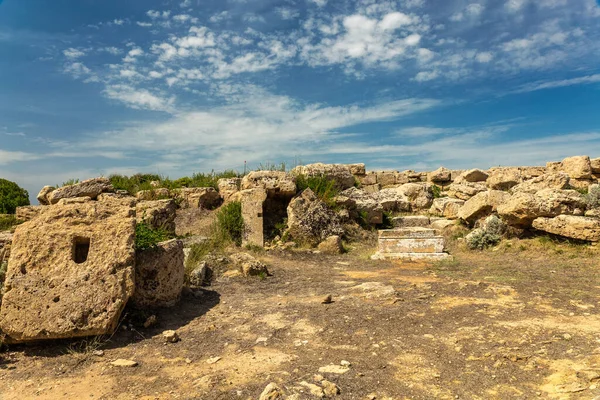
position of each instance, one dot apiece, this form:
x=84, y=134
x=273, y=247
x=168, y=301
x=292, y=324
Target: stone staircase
x=412, y=239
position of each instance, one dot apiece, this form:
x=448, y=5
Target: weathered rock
x=228, y=187
x=442, y=224
x=446, y=207
x=501, y=178
x=71, y=272
x=201, y=197
x=595, y=165
x=411, y=221
x=386, y=178
x=310, y=220
x=368, y=179
x=154, y=194
x=159, y=275
x=440, y=175
x=581, y=183
x=578, y=167
x=393, y=199
x=42, y=196
x=27, y=213
x=472, y=175
x=124, y=363
x=252, y=212
x=199, y=274
x=276, y=183
x=420, y=195
x=331, y=245
x=158, y=214
x=481, y=205
x=329, y=388
x=170, y=336
x=371, y=188
x=522, y=208
x=339, y=173
x=558, y=180
x=248, y=265
x=570, y=226
x=466, y=190
x=90, y=188
x=271, y=392
x=361, y=204
x=313, y=389
x=357, y=169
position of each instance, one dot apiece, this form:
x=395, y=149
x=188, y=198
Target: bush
x=437, y=191
x=230, y=224
x=8, y=221
x=592, y=197
x=147, y=237
x=134, y=183
x=11, y=197
x=324, y=188
x=488, y=235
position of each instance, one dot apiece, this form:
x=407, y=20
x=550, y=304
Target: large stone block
x=578, y=167
x=26, y=213
x=276, y=183
x=252, y=212
x=158, y=214
x=228, y=187
x=90, y=188
x=159, y=275
x=42, y=196
x=446, y=207
x=310, y=221
x=339, y=173
x=70, y=272
x=201, y=197
x=410, y=243
x=570, y=226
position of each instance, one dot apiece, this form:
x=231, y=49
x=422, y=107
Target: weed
x=437, y=191
x=147, y=237
x=262, y=275
x=254, y=248
x=70, y=182
x=230, y=224
x=323, y=187
x=272, y=167
x=8, y=221
x=387, y=221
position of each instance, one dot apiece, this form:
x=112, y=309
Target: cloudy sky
x=90, y=87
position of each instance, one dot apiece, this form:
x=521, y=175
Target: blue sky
x=91, y=87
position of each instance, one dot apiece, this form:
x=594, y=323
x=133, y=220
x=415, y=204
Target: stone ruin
x=73, y=265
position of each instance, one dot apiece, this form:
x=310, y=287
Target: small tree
x=11, y=197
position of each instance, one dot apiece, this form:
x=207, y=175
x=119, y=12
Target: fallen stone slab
x=70, y=272
x=570, y=226
x=91, y=188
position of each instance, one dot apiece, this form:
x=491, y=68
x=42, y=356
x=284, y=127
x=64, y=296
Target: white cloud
x=287, y=13
x=582, y=80
x=133, y=53
x=157, y=14
x=253, y=18
x=219, y=17
x=138, y=98
x=186, y=4
x=144, y=24
x=111, y=50
x=425, y=76
x=118, y=22
x=8, y=157
x=319, y=3
x=484, y=57
x=422, y=131
x=73, y=53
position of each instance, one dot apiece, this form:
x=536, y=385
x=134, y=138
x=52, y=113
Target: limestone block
x=201, y=197
x=570, y=226
x=276, y=183
x=90, y=188
x=252, y=212
x=159, y=275
x=158, y=214
x=70, y=272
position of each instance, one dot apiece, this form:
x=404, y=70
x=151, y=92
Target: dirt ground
x=520, y=321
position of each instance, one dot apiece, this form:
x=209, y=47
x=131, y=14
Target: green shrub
x=11, y=197
x=324, y=188
x=437, y=191
x=230, y=224
x=8, y=221
x=147, y=237
x=387, y=223
x=592, y=197
x=70, y=182
x=134, y=183
x=480, y=239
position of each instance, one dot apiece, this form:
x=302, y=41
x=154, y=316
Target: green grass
x=8, y=221
x=147, y=238
x=138, y=182
x=324, y=188
x=230, y=224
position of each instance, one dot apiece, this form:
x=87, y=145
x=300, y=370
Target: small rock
x=213, y=360
x=345, y=363
x=124, y=363
x=98, y=353
x=313, y=389
x=371, y=396
x=566, y=336
x=334, y=369
x=150, y=321
x=327, y=299
x=329, y=388
x=170, y=336
x=271, y=392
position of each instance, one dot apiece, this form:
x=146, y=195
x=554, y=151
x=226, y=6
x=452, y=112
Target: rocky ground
x=519, y=321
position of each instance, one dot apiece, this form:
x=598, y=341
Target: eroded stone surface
x=570, y=226
x=90, y=188
x=53, y=288
x=158, y=214
x=252, y=212
x=159, y=275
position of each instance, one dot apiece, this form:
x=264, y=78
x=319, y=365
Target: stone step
x=411, y=221
x=411, y=256
x=401, y=233
x=433, y=244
